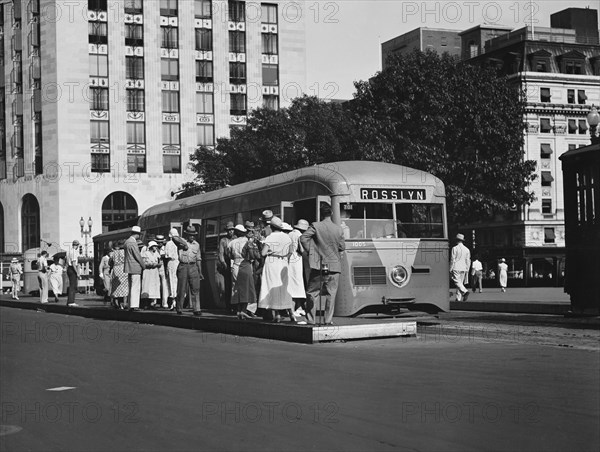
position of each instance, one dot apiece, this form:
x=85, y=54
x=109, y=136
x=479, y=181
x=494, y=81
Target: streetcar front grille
x=369, y=276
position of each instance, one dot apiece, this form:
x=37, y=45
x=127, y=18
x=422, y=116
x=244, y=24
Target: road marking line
x=61, y=388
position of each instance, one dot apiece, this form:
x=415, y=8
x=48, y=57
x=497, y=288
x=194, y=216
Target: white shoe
x=16, y=298
x=72, y=304
x=301, y=322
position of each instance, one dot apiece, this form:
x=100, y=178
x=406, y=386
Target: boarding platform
x=371, y=326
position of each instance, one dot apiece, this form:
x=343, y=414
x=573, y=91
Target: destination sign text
x=406, y=194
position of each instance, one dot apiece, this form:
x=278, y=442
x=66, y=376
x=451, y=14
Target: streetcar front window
x=416, y=220
x=391, y=220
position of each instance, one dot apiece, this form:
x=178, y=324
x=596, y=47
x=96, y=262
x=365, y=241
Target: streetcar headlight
x=399, y=275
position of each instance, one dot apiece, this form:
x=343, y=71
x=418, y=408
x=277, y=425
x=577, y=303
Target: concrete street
x=144, y=387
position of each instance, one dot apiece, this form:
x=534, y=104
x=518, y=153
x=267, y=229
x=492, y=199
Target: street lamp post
x=85, y=233
x=593, y=118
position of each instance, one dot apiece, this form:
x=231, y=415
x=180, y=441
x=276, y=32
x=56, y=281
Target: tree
x=309, y=132
x=460, y=122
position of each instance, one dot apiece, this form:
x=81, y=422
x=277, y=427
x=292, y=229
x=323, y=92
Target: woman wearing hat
x=276, y=250
x=297, y=287
x=150, y=276
x=16, y=270
x=241, y=251
x=43, y=276
x=119, y=284
x=502, y=274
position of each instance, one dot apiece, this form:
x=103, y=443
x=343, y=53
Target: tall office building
x=103, y=102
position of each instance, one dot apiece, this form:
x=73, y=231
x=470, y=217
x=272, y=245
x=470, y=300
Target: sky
x=343, y=37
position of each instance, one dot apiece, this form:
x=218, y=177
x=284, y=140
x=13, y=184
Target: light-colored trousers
x=43, y=282
x=135, y=288
x=458, y=278
x=172, y=277
x=322, y=289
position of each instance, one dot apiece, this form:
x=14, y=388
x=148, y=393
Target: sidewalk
x=527, y=300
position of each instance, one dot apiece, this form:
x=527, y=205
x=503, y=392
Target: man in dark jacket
x=325, y=241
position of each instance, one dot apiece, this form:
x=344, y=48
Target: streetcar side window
x=212, y=234
x=367, y=220
x=419, y=220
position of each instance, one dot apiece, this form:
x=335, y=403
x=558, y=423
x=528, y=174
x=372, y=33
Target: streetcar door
x=287, y=212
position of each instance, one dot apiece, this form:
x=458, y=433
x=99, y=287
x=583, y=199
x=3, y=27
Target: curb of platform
x=512, y=308
x=275, y=331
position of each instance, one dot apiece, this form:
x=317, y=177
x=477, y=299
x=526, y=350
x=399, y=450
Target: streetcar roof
x=335, y=176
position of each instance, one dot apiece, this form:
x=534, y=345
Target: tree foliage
x=460, y=122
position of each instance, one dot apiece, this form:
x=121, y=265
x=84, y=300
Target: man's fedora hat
x=276, y=222
x=229, y=225
x=249, y=224
x=191, y=230
x=240, y=227
x=160, y=238
x=460, y=237
x=136, y=229
x=267, y=215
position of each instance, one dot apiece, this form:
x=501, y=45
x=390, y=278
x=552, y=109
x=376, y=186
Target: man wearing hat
x=133, y=266
x=164, y=289
x=172, y=259
x=189, y=272
x=324, y=241
x=460, y=263
x=265, y=221
x=16, y=270
x=72, y=271
x=223, y=276
x=297, y=280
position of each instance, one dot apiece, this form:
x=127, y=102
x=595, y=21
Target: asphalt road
x=128, y=387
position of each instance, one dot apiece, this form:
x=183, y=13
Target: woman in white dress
x=55, y=278
x=150, y=276
x=502, y=274
x=274, y=293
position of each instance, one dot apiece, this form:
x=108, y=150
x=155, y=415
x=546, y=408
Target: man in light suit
x=325, y=241
x=460, y=262
x=133, y=266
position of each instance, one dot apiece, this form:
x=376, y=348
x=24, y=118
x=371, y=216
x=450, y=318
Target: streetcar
x=393, y=218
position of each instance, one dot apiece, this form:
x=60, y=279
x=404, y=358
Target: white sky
x=344, y=36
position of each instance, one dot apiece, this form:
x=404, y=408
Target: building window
x=168, y=8
x=583, y=127
x=571, y=96
x=271, y=102
x=205, y=135
x=136, y=163
x=237, y=73
x=98, y=65
x=99, y=132
x=545, y=94
x=98, y=98
x=97, y=5
x=545, y=126
x=170, y=101
x=237, y=41
x=100, y=163
x=134, y=68
x=171, y=163
x=169, y=37
x=136, y=132
x=133, y=7
x=269, y=44
x=269, y=75
x=204, y=71
x=204, y=103
x=134, y=35
x=581, y=97
x=237, y=11
x=118, y=207
x=169, y=69
x=203, y=9
x=268, y=13
x=547, y=179
x=573, y=67
x=541, y=64
x=238, y=104
x=549, y=236
x=170, y=134
x=572, y=146
x=98, y=32
x=30, y=222
x=545, y=150
x=547, y=206
x=203, y=39
x=135, y=100
x=39, y=166
x=572, y=126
